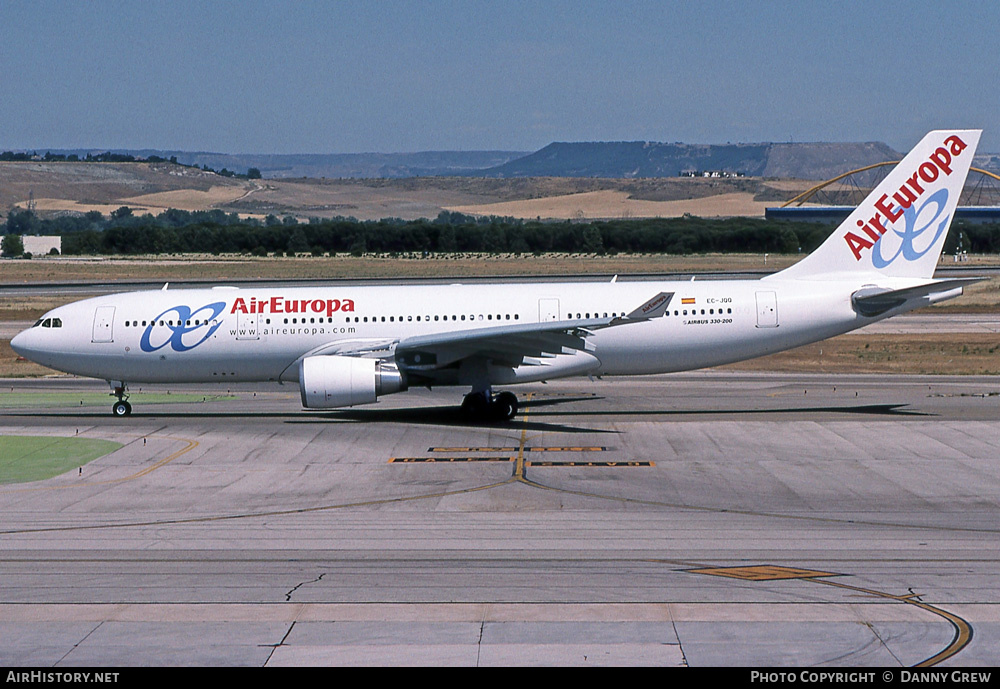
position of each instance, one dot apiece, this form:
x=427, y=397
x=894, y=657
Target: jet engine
x=343, y=381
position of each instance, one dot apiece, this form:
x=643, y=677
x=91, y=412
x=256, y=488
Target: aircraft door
x=767, y=310
x=548, y=310
x=247, y=326
x=104, y=319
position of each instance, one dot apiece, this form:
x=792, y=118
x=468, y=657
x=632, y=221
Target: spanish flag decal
x=687, y=300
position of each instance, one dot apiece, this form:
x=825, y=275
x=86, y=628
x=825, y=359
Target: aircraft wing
x=511, y=344
x=360, y=348
x=367, y=348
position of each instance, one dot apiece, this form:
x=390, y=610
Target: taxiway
x=698, y=519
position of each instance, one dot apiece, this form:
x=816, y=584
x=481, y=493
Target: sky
x=345, y=76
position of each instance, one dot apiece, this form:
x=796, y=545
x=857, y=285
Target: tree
x=22, y=222
x=298, y=243
x=447, y=240
x=592, y=241
x=12, y=245
x=253, y=173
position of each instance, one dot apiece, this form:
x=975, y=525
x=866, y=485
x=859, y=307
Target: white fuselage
x=260, y=334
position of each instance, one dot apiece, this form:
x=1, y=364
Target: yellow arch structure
x=808, y=193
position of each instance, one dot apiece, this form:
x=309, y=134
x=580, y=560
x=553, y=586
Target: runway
x=700, y=519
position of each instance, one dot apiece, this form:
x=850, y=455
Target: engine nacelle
x=344, y=381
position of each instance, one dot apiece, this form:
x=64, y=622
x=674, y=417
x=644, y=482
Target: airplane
x=350, y=345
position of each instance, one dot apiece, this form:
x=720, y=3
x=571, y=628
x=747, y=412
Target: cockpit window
x=37, y=323
x=56, y=322
x=47, y=323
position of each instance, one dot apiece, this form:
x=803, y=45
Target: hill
x=612, y=160
x=562, y=180
x=332, y=166
x=80, y=186
x=633, y=159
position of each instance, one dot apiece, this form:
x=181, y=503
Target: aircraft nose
x=21, y=344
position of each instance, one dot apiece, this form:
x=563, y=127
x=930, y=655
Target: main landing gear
x=121, y=407
x=478, y=406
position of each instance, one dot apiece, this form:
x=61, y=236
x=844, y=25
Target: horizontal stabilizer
x=874, y=301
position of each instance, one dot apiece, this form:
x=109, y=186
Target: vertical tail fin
x=900, y=228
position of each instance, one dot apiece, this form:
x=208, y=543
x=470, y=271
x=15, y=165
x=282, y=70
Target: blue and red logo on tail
x=870, y=234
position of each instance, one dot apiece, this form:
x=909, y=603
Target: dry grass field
x=205, y=267
x=984, y=296
x=59, y=187
x=612, y=203
x=79, y=187
x=923, y=353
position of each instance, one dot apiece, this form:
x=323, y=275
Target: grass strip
x=35, y=458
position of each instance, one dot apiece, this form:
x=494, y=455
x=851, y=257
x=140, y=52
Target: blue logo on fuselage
x=181, y=327
x=911, y=232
